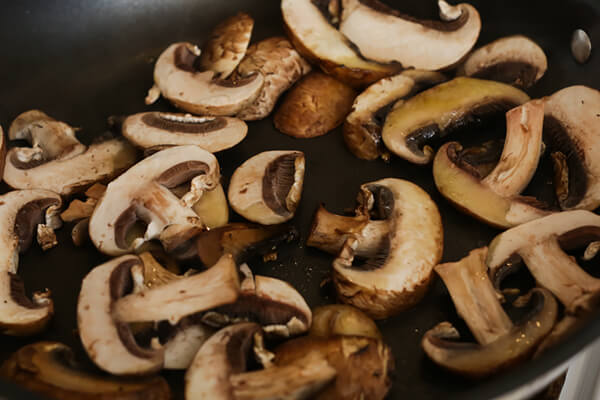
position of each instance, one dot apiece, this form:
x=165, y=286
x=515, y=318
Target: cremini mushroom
x=178, y=78
x=50, y=369
x=500, y=342
x=267, y=187
x=219, y=370
x=494, y=198
x=410, y=128
x=515, y=60
x=362, y=128
x=57, y=161
x=22, y=212
x=398, y=230
x=142, y=193
x=383, y=34
x=281, y=65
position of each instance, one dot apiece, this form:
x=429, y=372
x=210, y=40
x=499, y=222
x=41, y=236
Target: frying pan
x=82, y=61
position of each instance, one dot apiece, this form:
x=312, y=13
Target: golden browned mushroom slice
x=316, y=105
x=383, y=34
x=437, y=112
x=281, y=65
x=57, y=161
x=219, y=370
x=142, y=194
x=151, y=130
x=362, y=128
x=494, y=198
x=344, y=320
x=515, y=60
x=178, y=79
x=500, y=343
x=227, y=45
x=50, y=369
x=106, y=306
x=267, y=187
x=312, y=33
x=398, y=230
x=22, y=212
x=571, y=127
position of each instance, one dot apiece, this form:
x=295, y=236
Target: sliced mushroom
x=315, y=38
x=383, y=34
x=340, y=319
x=184, y=341
x=437, y=112
x=219, y=371
x=494, y=199
x=401, y=246
x=539, y=244
x=270, y=302
x=515, y=60
x=571, y=128
x=105, y=308
x=267, y=187
x=227, y=45
x=213, y=208
x=57, y=161
x=151, y=130
x=21, y=212
x=362, y=128
x=50, y=369
x=501, y=343
x=316, y=105
x=142, y=193
x=281, y=65
x=178, y=79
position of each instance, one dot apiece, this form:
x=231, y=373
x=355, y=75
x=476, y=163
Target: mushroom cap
x=110, y=344
x=515, y=60
x=179, y=81
x=227, y=45
x=49, y=368
x=157, y=129
x=413, y=247
x=143, y=193
x=442, y=109
x=21, y=211
x=267, y=187
x=320, y=42
x=385, y=35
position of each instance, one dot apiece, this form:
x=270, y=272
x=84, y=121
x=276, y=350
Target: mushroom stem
x=474, y=296
x=559, y=273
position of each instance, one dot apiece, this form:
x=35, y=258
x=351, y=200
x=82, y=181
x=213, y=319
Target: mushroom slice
x=501, y=343
x=50, y=369
x=270, y=302
x=241, y=240
x=515, y=60
x=57, y=161
x=437, y=112
x=158, y=129
x=494, y=199
x=213, y=208
x=571, y=129
x=267, y=187
x=383, y=34
x=316, y=105
x=362, y=129
x=219, y=371
x=142, y=193
x=21, y=213
x=227, y=45
x=315, y=38
x=401, y=247
x=540, y=245
x=184, y=341
x=340, y=319
x=363, y=365
x=281, y=65
x=178, y=79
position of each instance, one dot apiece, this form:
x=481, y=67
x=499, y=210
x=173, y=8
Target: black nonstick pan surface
x=82, y=61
